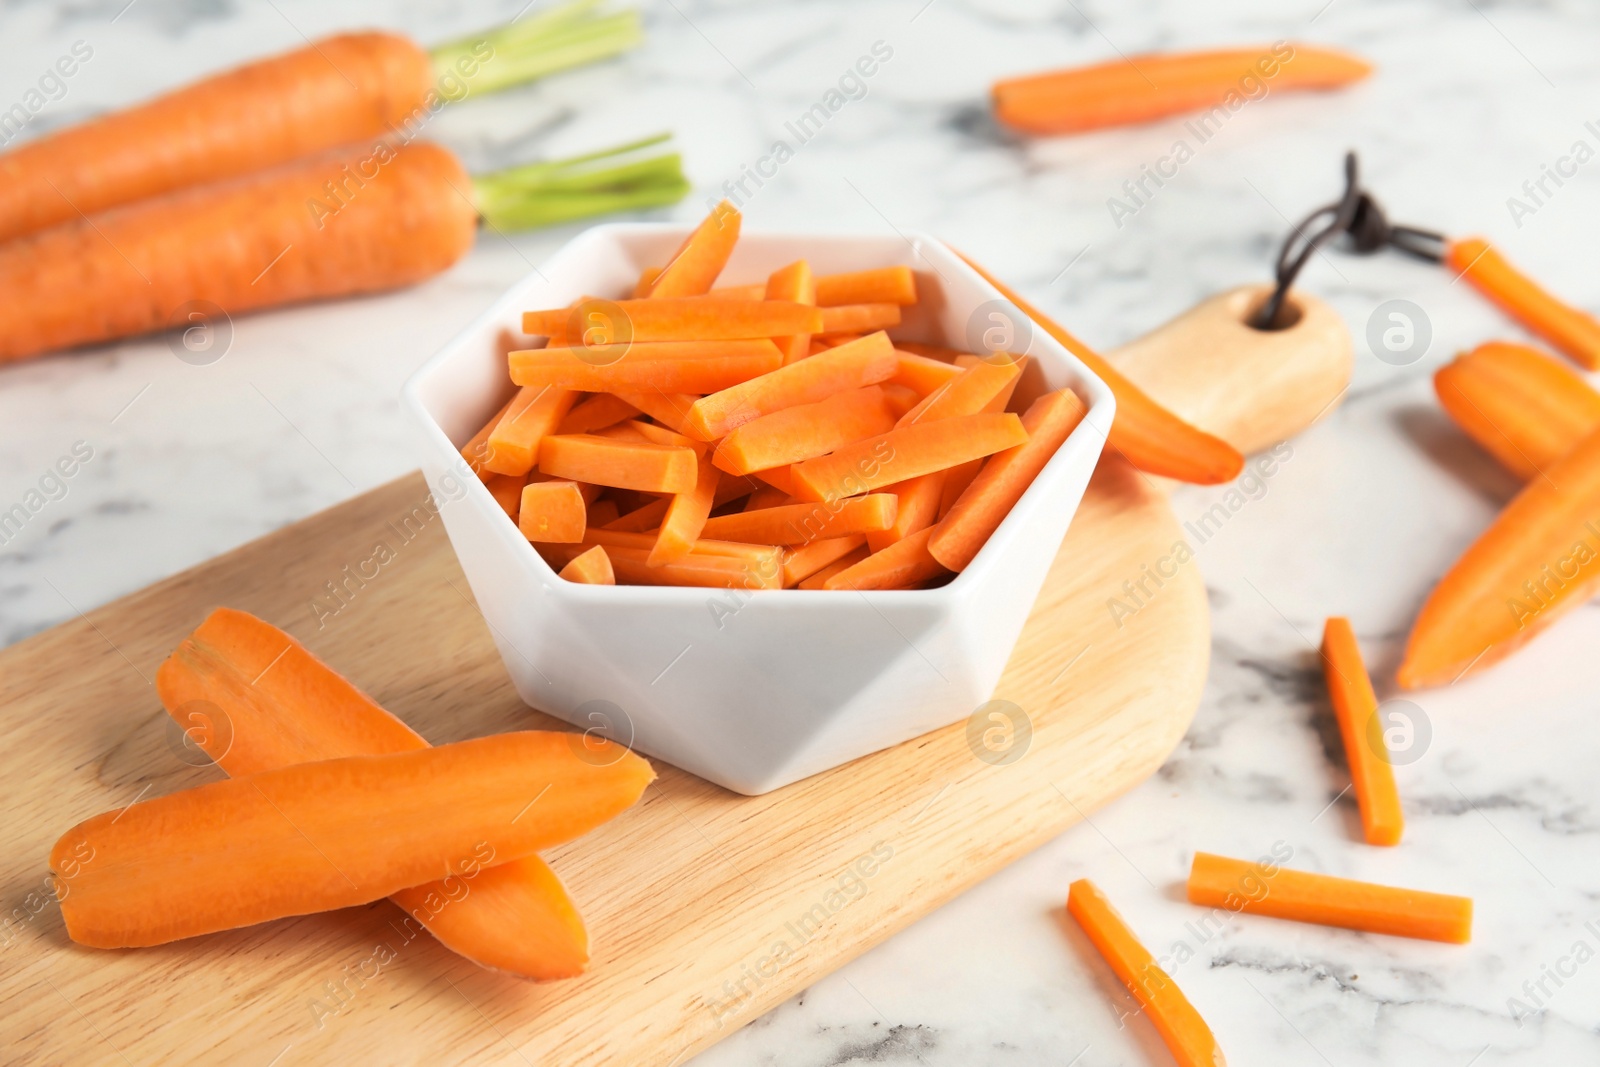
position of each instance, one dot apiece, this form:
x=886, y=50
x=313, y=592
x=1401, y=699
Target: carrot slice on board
x=253, y=698
x=818, y=581
x=535, y=411
x=918, y=509
x=795, y=283
x=553, y=511
x=1186, y=1034
x=985, y=503
x=1539, y=559
x=590, y=567
x=1522, y=407
x=805, y=431
x=1267, y=889
x=905, y=452
x=803, y=561
x=885, y=285
x=852, y=366
x=1573, y=332
x=660, y=366
x=476, y=451
x=906, y=562
x=799, y=524
x=685, y=319
x=859, y=318
x=595, y=412
x=1149, y=87
x=1152, y=438
x=641, y=465
x=969, y=392
x=694, y=267
x=686, y=516
x=333, y=833
x=1355, y=705
x=507, y=491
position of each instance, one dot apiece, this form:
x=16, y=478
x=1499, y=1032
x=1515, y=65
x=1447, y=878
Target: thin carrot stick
x=1148, y=87
x=663, y=366
x=918, y=508
x=507, y=492
x=684, y=319
x=647, y=278
x=552, y=511
x=685, y=517
x=591, y=567
x=984, y=504
x=1573, y=332
x=768, y=496
x=331, y=834
x=852, y=366
x=1524, y=408
x=694, y=267
x=1267, y=889
x=253, y=698
x=903, y=453
x=640, y=465
x=956, y=480
x=1151, y=438
x=922, y=373
x=805, y=431
x=778, y=478
x=595, y=412
x=1355, y=705
x=970, y=391
x=803, y=561
x=904, y=563
x=818, y=581
x=859, y=318
x=669, y=409
x=632, y=567
x=884, y=285
x=795, y=283
x=799, y=524
x=937, y=353
x=1185, y=1033
x=513, y=446
x=705, y=546
x=476, y=451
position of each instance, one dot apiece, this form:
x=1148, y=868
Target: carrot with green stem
x=1522, y=407
x=1571, y=331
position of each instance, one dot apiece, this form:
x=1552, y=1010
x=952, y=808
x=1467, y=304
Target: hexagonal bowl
x=751, y=690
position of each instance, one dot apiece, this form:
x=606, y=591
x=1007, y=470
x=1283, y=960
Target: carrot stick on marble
x=1301, y=896
x=853, y=366
x=684, y=319
x=794, y=283
x=552, y=511
x=253, y=698
x=1571, y=331
x=859, y=318
x=905, y=452
x=903, y=564
x=805, y=431
x=694, y=267
x=1355, y=706
x=685, y=517
x=985, y=503
x=641, y=465
x=1522, y=407
x=1185, y=1033
x=799, y=524
x=590, y=567
x=802, y=561
x=1147, y=87
x=661, y=366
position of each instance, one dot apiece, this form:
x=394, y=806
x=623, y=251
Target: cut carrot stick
x=1185, y=1033
x=513, y=446
x=778, y=478
x=640, y=465
x=662, y=366
x=1573, y=332
x=956, y=480
x=859, y=318
x=278, y=705
x=590, y=567
x=602, y=512
x=694, y=267
x=1149, y=87
x=983, y=506
x=476, y=451
x=922, y=373
x=1267, y=889
x=818, y=581
x=596, y=412
x=647, y=278
x=669, y=409
x=641, y=519
x=1539, y=559
x=634, y=430
x=904, y=453
x=1524, y=408
x=767, y=496
x=805, y=431
x=795, y=283
x=852, y=366
x=701, y=569
x=681, y=319
x=1355, y=705
x=969, y=392
x=705, y=546
x=938, y=353
x=552, y=511
x=906, y=562
x=686, y=516
x=1151, y=438
x=507, y=492
x=332, y=834
x=803, y=561
x=822, y=344
x=918, y=508
x=753, y=291
x=732, y=487
x=799, y=524
x=885, y=285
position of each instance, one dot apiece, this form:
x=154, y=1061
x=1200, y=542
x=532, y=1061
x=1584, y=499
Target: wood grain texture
x=706, y=908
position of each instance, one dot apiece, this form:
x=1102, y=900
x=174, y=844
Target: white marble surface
x=1471, y=99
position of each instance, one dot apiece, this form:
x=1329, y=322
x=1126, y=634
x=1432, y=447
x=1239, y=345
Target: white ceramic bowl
x=751, y=690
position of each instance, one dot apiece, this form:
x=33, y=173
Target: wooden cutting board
x=705, y=908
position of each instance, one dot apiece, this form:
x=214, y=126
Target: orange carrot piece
x=535, y=411
x=661, y=366
x=852, y=366
x=859, y=318
x=768, y=496
x=753, y=291
x=333, y=833
x=1149, y=87
x=1267, y=889
x=634, y=430
x=803, y=561
x=602, y=512
x=1185, y=1033
x=805, y=431
x=818, y=581
x=984, y=504
x=956, y=480
x=795, y=283
x=253, y=698
x=647, y=278
x=686, y=516
x=669, y=409
x=938, y=353
x=969, y=392
x=918, y=508
x=731, y=487
x=778, y=478
x=799, y=524
x=922, y=373
x=641, y=519
x=596, y=412
x=507, y=492
x=1522, y=407
x=1573, y=332
x=1355, y=705
x=552, y=511
x=640, y=465
x=904, y=563
x=761, y=568
x=590, y=567
x=476, y=450
x=694, y=267
x=903, y=453
x=885, y=285
x=1539, y=559
x=705, y=546
x=685, y=319
x=1152, y=438
x=834, y=340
